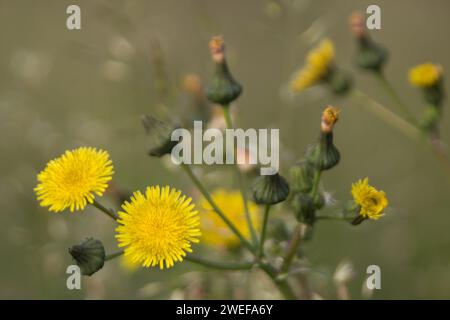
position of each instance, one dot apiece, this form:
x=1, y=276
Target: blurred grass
x=60, y=89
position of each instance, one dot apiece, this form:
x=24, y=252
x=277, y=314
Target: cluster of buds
x=319, y=157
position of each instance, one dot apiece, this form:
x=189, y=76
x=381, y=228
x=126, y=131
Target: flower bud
x=370, y=55
x=160, y=135
x=324, y=155
x=89, y=256
x=223, y=89
x=304, y=208
x=339, y=81
x=301, y=177
x=270, y=189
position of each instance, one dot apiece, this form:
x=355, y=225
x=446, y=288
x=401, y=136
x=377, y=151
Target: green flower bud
x=370, y=56
x=319, y=201
x=223, y=89
x=339, y=81
x=301, y=177
x=270, y=189
x=434, y=94
x=160, y=135
x=430, y=118
x=304, y=208
x=89, y=256
x=323, y=155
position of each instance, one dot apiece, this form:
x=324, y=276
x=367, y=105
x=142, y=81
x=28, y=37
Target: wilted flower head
x=158, y=227
x=214, y=231
x=425, y=75
x=217, y=49
x=72, y=180
x=316, y=66
x=371, y=201
x=329, y=117
x=357, y=24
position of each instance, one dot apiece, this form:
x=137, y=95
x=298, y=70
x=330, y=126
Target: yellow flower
x=371, y=201
x=329, y=117
x=214, y=231
x=72, y=180
x=318, y=63
x=425, y=75
x=158, y=227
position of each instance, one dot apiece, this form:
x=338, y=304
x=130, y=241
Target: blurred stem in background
x=408, y=129
x=394, y=95
x=240, y=178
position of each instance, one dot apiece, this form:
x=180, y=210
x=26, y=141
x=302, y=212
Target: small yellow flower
x=214, y=231
x=158, y=227
x=318, y=63
x=71, y=180
x=425, y=75
x=371, y=201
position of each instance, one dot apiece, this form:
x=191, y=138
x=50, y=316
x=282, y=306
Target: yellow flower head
x=158, y=227
x=71, y=180
x=371, y=201
x=425, y=75
x=318, y=63
x=214, y=231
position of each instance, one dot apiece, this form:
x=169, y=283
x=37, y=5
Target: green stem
x=113, y=255
x=102, y=208
x=229, y=122
x=316, y=181
x=292, y=250
x=282, y=284
x=220, y=265
x=391, y=91
x=387, y=115
x=208, y=198
x=333, y=218
x=263, y=231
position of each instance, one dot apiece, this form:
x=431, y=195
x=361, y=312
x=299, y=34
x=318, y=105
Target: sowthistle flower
x=158, y=227
x=319, y=68
x=370, y=201
x=429, y=77
x=214, y=230
x=73, y=179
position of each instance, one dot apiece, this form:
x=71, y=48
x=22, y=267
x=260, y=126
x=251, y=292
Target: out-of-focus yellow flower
x=318, y=62
x=425, y=75
x=72, y=180
x=214, y=231
x=158, y=227
x=372, y=202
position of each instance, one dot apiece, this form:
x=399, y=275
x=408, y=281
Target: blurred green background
x=60, y=89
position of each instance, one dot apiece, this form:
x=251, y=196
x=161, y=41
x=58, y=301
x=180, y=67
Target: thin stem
x=316, y=181
x=102, y=208
x=113, y=255
x=208, y=198
x=263, y=230
x=333, y=218
x=282, y=284
x=292, y=250
x=391, y=91
x=229, y=122
x=387, y=115
x=220, y=265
